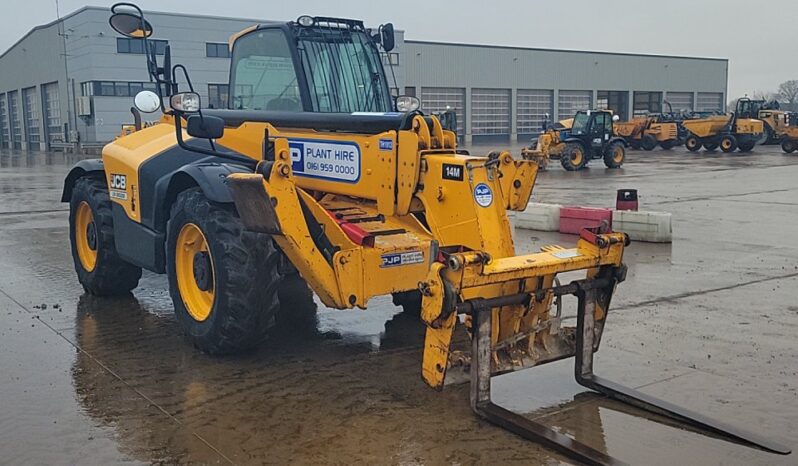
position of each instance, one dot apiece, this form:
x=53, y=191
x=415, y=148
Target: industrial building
x=72, y=81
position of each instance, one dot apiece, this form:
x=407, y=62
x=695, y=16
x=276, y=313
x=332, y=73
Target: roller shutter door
x=490, y=111
x=679, y=101
x=15, y=124
x=52, y=113
x=3, y=122
x=709, y=102
x=532, y=105
x=570, y=102
x=30, y=110
x=438, y=99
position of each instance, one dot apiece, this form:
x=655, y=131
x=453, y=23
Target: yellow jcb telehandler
x=773, y=118
x=316, y=176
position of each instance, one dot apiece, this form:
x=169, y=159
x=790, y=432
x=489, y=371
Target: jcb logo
x=118, y=181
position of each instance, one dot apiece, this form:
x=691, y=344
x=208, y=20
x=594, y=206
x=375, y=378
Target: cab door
x=598, y=132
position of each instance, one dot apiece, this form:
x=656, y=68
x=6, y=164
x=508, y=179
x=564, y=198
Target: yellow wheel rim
x=618, y=155
x=86, y=236
x=190, y=242
x=726, y=144
x=576, y=157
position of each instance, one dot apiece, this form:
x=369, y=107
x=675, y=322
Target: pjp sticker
x=483, y=195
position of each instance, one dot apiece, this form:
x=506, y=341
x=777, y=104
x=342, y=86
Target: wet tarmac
x=709, y=322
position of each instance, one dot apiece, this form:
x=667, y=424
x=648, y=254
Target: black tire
x=789, y=145
x=109, y=275
x=410, y=301
x=244, y=276
x=634, y=143
x=746, y=146
x=297, y=313
x=692, y=143
x=710, y=146
x=614, y=155
x=668, y=144
x=728, y=143
x=649, y=142
x=573, y=157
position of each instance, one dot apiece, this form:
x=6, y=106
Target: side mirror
x=127, y=19
x=147, y=102
x=387, y=37
x=205, y=127
x=615, y=118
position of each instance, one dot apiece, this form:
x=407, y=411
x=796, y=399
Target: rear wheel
x=649, y=142
x=614, y=155
x=573, y=157
x=728, y=143
x=667, y=145
x=91, y=231
x=789, y=145
x=223, y=280
x=745, y=146
x=692, y=143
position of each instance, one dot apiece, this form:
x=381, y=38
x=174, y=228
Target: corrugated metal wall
x=572, y=78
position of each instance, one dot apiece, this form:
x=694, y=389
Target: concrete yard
x=709, y=322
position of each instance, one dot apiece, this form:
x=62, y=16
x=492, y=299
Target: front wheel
x=615, y=155
x=692, y=143
x=728, y=143
x=789, y=145
x=91, y=232
x=746, y=146
x=649, y=142
x=223, y=280
x=573, y=157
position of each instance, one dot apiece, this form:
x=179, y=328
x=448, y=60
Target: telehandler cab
x=316, y=176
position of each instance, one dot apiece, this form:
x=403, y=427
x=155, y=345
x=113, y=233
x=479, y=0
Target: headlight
x=187, y=102
x=406, y=103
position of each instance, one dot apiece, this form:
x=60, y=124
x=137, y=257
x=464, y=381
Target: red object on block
x=574, y=219
x=627, y=199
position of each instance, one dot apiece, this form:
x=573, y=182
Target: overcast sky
x=755, y=37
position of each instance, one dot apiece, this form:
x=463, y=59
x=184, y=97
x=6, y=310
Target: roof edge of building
x=541, y=49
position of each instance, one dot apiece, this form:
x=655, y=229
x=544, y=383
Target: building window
x=647, y=102
x=617, y=101
x=136, y=46
x=115, y=88
x=215, y=50
x=218, y=95
x=391, y=58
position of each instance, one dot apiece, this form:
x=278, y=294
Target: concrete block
x=574, y=219
x=540, y=217
x=652, y=227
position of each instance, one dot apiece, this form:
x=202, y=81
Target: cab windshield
x=580, y=123
x=342, y=68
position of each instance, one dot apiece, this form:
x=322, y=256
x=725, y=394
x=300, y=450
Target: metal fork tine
x=585, y=324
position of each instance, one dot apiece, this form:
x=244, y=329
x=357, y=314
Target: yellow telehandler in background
x=315, y=176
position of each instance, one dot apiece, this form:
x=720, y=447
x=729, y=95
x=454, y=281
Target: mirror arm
x=251, y=163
